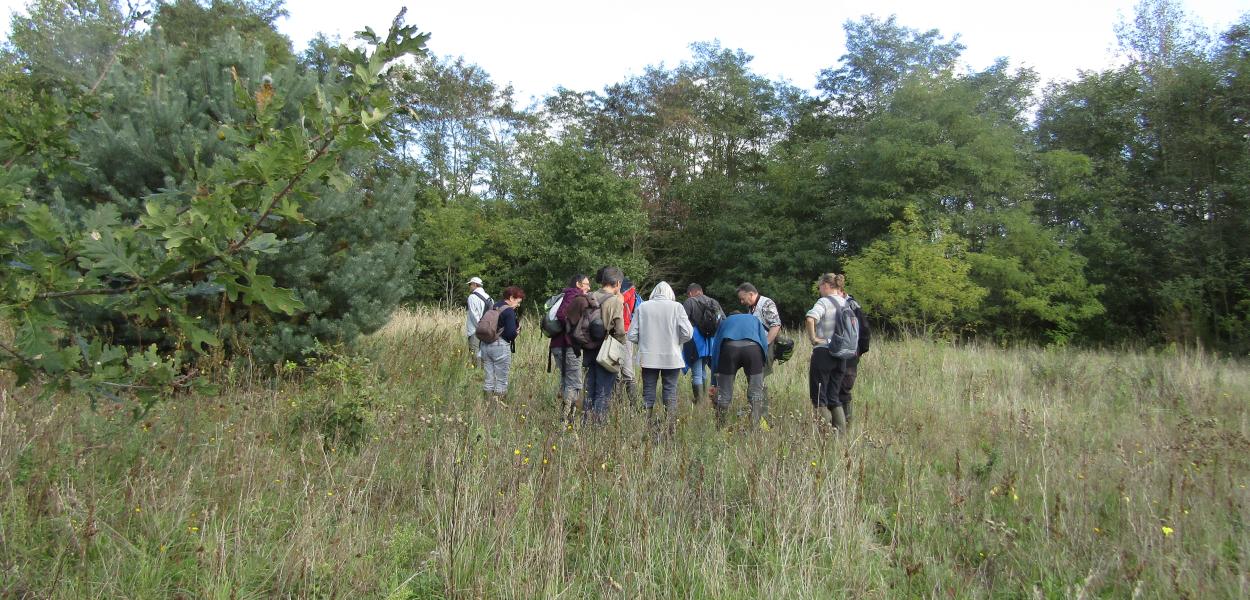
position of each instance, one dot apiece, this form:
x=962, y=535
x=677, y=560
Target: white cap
x=477, y=280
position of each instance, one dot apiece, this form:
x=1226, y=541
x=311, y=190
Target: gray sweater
x=658, y=330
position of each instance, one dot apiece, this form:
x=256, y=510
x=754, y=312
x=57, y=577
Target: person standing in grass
x=826, y=371
x=741, y=342
x=600, y=381
x=497, y=355
x=705, y=314
x=476, y=305
x=658, y=330
x=626, y=382
x=764, y=309
x=562, y=351
x=852, y=364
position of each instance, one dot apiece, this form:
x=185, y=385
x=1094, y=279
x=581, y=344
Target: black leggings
x=740, y=354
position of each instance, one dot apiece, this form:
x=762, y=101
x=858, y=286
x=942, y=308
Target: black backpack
x=707, y=315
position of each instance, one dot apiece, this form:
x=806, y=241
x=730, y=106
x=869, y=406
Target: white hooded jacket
x=659, y=328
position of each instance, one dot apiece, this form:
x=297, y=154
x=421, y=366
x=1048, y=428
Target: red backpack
x=630, y=298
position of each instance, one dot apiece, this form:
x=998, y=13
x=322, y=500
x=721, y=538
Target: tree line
x=179, y=180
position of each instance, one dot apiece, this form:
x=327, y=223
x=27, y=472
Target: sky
x=585, y=45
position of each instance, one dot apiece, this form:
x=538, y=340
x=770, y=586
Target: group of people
x=597, y=335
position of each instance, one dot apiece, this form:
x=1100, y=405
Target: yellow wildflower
x=1167, y=531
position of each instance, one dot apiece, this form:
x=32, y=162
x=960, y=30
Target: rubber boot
x=821, y=415
x=846, y=408
x=696, y=389
x=839, y=419
x=758, y=409
x=631, y=392
x=652, y=434
x=670, y=425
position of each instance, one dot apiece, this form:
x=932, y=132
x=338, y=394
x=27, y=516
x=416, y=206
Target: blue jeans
x=698, y=371
x=599, y=384
x=649, y=380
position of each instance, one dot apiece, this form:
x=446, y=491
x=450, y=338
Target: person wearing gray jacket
x=658, y=330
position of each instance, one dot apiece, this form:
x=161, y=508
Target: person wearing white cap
x=477, y=304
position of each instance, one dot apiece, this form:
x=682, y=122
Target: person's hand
x=711, y=392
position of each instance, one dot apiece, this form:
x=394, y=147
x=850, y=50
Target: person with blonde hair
x=826, y=370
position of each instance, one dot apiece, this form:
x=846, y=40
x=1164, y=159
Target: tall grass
x=970, y=471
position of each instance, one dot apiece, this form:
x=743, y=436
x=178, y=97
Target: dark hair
x=694, y=287
x=748, y=288
x=611, y=276
x=576, y=279
x=513, y=291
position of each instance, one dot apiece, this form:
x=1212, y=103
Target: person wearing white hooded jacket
x=658, y=330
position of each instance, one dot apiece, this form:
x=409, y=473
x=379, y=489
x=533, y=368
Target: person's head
x=694, y=290
x=513, y=295
x=748, y=295
x=830, y=283
x=580, y=282
x=610, y=278
x=475, y=283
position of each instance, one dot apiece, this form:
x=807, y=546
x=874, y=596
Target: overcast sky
x=585, y=45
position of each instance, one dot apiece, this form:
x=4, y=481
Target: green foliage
x=198, y=23
x=109, y=294
x=339, y=402
x=916, y=277
x=592, y=216
x=1037, y=287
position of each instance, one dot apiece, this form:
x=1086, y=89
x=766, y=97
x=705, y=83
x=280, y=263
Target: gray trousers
x=627, y=363
x=475, y=356
x=570, y=372
x=496, y=361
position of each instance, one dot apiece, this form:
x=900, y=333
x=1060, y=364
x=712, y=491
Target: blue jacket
x=507, y=320
x=739, y=327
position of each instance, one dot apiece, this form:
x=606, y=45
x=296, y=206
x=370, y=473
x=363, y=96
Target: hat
x=477, y=280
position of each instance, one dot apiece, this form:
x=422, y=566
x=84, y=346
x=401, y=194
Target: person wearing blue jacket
x=497, y=355
x=741, y=342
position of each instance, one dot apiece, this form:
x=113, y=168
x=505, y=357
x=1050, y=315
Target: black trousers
x=848, y=382
x=824, y=378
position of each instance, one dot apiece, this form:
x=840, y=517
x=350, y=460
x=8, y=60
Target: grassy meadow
x=969, y=472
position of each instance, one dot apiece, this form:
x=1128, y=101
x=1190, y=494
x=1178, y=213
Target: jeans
x=699, y=371
x=649, y=379
x=824, y=378
x=599, y=384
x=496, y=361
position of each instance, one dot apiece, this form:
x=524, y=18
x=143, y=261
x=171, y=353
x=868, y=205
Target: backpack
x=589, y=331
x=865, y=332
x=707, y=315
x=552, y=324
x=488, y=328
x=845, y=340
x=486, y=300
x=630, y=300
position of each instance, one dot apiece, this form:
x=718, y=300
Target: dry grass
x=970, y=472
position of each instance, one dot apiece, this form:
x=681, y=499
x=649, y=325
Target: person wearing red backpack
x=630, y=301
